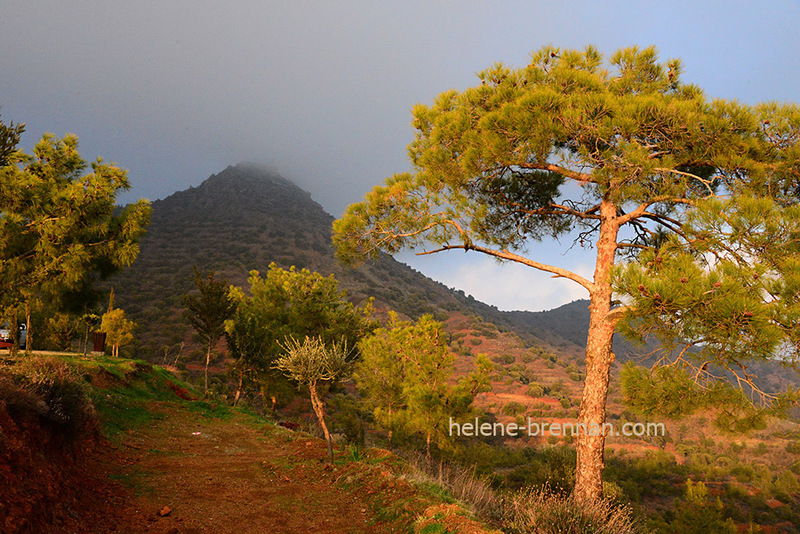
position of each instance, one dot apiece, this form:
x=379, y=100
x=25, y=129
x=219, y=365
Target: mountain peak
x=249, y=173
x=242, y=195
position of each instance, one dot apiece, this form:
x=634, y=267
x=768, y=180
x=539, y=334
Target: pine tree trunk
x=428, y=447
x=319, y=409
x=238, y=389
x=390, y=428
x=208, y=361
x=28, y=329
x=13, y=327
x=599, y=358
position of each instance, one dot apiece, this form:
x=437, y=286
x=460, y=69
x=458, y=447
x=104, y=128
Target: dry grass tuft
x=541, y=511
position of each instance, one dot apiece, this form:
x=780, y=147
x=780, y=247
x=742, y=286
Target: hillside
x=243, y=219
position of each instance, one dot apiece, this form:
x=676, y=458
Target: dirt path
x=232, y=475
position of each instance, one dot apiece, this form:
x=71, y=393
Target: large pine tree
x=621, y=154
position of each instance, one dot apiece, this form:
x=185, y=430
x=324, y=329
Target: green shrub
x=348, y=419
x=535, y=390
x=698, y=513
x=786, y=485
x=795, y=468
x=793, y=447
x=551, y=465
x=463, y=351
x=513, y=408
x=503, y=359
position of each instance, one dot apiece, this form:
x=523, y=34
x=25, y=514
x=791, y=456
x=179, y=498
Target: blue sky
x=176, y=91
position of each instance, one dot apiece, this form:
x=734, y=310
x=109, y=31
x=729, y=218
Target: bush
x=59, y=393
x=513, y=408
x=551, y=465
x=698, y=513
x=19, y=402
x=793, y=447
x=503, y=359
x=535, y=390
x=543, y=511
x=795, y=468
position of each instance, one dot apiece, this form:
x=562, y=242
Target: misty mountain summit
x=243, y=219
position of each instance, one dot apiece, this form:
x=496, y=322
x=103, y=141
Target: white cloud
x=505, y=285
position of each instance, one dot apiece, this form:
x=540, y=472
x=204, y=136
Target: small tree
x=380, y=374
x=406, y=372
x=248, y=343
x=208, y=310
x=311, y=363
x=428, y=364
x=289, y=303
x=118, y=329
x=699, y=513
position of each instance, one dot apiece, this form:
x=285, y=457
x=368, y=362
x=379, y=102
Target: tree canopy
x=625, y=158
x=60, y=229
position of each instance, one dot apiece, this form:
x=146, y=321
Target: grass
x=210, y=410
x=129, y=404
x=454, y=483
x=121, y=390
x=434, y=528
x=544, y=512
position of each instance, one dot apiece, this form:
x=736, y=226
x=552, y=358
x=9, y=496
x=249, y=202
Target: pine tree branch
x=558, y=272
x=563, y=171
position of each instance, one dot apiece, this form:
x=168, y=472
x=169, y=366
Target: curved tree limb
x=558, y=272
